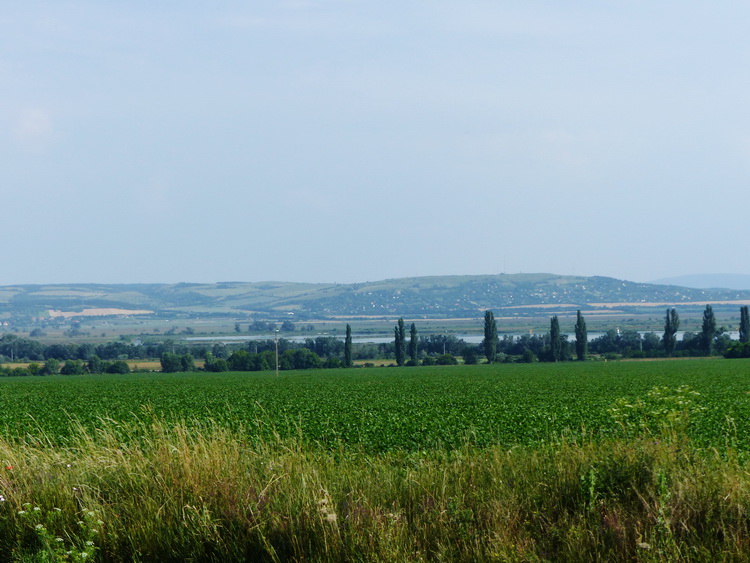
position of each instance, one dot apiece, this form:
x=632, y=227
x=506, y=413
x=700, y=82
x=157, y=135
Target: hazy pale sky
x=345, y=141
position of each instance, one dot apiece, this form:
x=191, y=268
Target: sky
x=349, y=141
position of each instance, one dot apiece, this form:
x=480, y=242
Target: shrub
x=73, y=367
x=118, y=366
x=446, y=360
x=470, y=355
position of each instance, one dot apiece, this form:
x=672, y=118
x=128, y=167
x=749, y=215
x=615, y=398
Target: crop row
x=389, y=409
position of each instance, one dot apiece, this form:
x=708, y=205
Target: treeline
x=14, y=348
x=408, y=348
x=325, y=352
x=555, y=346
x=69, y=367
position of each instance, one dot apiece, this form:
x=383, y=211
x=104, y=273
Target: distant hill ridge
x=703, y=281
x=436, y=296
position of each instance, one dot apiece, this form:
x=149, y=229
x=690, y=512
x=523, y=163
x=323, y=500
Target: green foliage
x=118, y=367
x=187, y=362
x=671, y=325
x=332, y=363
x=662, y=411
x=470, y=355
x=348, y=347
x=242, y=360
x=51, y=367
x=385, y=409
x=708, y=330
x=157, y=490
x=73, y=367
x=581, y=337
x=95, y=365
x=413, y=343
x=738, y=350
x=744, y=324
x=446, y=360
x=555, y=340
x=490, y=336
x=399, y=337
x=300, y=358
x=41, y=537
x=214, y=364
x=170, y=362
x=173, y=363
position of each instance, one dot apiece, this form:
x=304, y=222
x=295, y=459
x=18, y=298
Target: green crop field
x=383, y=409
x=595, y=461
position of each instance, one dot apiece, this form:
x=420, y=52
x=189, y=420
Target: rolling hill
x=430, y=297
x=703, y=281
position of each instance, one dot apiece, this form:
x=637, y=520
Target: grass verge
x=157, y=491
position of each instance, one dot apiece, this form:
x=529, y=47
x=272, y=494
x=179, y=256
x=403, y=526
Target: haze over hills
x=429, y=297
x=707, y=281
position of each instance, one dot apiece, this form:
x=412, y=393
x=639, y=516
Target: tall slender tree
x=708, y=330
x=413, y=344
x=582, y=343
x=555, y=341
x=490, y=336
x=348, y=347
x=400, y=342
x=744, y=324
x=671, y=324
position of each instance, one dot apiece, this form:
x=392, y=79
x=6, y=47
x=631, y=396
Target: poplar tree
x=413, y=343
x=744, y=324
x=555, y=340
x=582, y=343
x=490, y=336
x=348, y=347
x=400, y=342
x=708, y=330
x=671, y=324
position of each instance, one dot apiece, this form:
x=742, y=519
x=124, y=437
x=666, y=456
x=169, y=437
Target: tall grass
x=158, y=491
